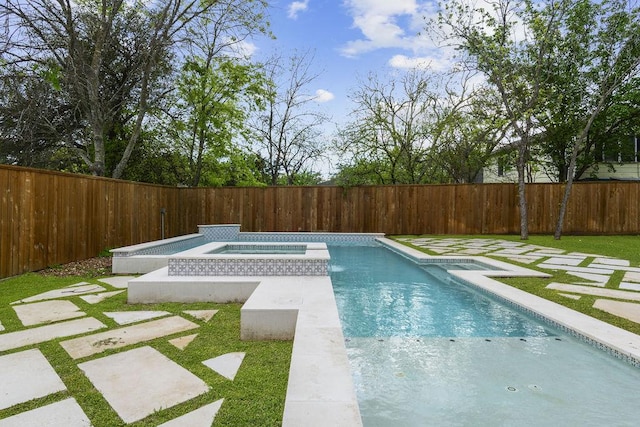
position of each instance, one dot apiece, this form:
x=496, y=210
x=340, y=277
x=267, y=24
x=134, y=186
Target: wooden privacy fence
x=49, y=218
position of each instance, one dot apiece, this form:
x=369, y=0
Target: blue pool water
x=426, y=350
x=249, y=249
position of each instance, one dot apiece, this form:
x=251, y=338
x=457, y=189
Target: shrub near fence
x=49, y=218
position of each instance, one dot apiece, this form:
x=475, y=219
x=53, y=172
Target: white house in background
x=618, y=163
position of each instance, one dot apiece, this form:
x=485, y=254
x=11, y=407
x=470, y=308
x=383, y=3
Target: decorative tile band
x=247, y=267
x=220, y=232
x=344, y=238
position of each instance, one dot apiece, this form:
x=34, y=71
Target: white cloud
x=423, y=62
x=240, y=48
x=324, y=96
x=387, y=24
x=404, y=62
x=297, y=7
x=246, y=48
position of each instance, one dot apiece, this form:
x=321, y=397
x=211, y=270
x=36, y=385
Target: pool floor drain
x=511, y=388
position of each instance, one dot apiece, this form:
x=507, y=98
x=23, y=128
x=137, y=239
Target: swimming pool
x=428, y=350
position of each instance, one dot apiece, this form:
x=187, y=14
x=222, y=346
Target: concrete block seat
x=320, y=391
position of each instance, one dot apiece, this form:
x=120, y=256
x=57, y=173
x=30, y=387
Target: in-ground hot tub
x=226, y=271
x=251, y=259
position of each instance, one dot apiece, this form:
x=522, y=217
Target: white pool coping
x=154, y=244
x=320, y=389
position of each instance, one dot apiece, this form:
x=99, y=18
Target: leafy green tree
x=216, y=96
x=157, y=163
x=609, y=139
x=556, y=65
x=420, y=127
x=470, y=129
x=114, y=60
x=610, y=55
x=302, y=178
x=34, y=117
x=513, y=45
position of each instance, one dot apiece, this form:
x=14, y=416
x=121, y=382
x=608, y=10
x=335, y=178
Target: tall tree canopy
x=418, y=127
x=288, y=133
x=389, y=138
x=111, y=63
x=556, y=65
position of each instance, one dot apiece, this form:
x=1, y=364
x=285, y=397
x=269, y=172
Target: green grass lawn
x=255, y=398
x=624, y=247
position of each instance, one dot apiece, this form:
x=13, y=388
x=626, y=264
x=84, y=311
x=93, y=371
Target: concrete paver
x=121, y=337
x=75, y=285
x=588, y=290
x=138, y=382
x=510, y=251
x=630, y=286
x=182, y=342
x=612, y=261
x=26, y=375
x=96, y=298
x=548, y=252
x=523, y=259
x=628, y=310
x=47, y=312
x=598, y=279
x=631, y=276
x=570, y=296
x=226, y=365
x=439, y=250
x=617, y=267
x=572, y=261
x=117, y=281
x=69, y=291
x=204, y=315
x=201, y=417
x=66, y=413
x=40, y=334
x=576, y=269
x=127, y=317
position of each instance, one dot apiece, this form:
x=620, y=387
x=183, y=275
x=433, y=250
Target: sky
x=349, y=39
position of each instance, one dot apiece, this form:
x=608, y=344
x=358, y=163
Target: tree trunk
x=574, y=159
x=522, y=197
x=567, y=189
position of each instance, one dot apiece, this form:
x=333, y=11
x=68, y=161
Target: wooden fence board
x=48, y=218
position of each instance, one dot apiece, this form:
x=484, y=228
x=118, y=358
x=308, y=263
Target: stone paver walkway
x=135, y=381
x=594, y=273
